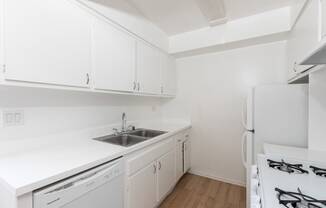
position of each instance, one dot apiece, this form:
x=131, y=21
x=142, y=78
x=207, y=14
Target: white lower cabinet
x=179, y=157
x=182, y=156
x=151, y=175
x=166, y=174
x=142, y=187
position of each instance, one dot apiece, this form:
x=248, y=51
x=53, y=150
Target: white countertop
x=34, y=163
x=295, y=152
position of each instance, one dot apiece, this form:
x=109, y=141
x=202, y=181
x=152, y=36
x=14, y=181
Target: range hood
x=317, y=56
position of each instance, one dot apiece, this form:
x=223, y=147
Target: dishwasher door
x=102, y=187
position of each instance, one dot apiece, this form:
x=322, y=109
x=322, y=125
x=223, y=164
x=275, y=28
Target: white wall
x=317, y=110
x=55, y=111
x=211, y=88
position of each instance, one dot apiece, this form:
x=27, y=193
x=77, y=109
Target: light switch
x=13, y=118
x=9, y=118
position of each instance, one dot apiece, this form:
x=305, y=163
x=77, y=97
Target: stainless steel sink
x=122, y=140
x=146, y=133
x=130, y=138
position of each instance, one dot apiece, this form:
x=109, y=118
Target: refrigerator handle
x=244, y=105
x=243, y=147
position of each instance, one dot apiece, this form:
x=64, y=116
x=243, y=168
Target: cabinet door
x=148, y=69
x=168, y=75
x=323, y=19
x=186, y=155
x=47, y=41
x=142, y=188
x=291, y=56
x=166, y=174
x=113, y=58
x=305, y=35
x=179, y=158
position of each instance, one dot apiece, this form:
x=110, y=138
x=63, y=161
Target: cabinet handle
x=87, y=78
x=154, y=166
x=294, y=65
x=138, y=86
x=135, y=85
x=159, y=165
x=162, y=90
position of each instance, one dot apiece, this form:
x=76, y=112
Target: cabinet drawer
x=145, y=157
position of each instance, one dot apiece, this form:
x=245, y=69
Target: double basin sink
x=129, y=138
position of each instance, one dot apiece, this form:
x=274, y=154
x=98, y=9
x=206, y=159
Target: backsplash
x=54, y=111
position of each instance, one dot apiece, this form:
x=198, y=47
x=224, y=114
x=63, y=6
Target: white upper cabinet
x=47, y=41
x=323, y=19
x=114, y=54
x=62, y=43
x=148, y=69
x=303, y=38
x=168, y=74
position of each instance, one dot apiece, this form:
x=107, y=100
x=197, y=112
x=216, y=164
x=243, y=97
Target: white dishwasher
x=100, y=187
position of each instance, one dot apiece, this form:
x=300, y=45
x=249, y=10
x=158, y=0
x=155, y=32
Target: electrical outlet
x=13, y=118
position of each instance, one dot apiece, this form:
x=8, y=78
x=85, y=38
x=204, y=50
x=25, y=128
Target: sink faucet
x=124, y=122
x=124, y=127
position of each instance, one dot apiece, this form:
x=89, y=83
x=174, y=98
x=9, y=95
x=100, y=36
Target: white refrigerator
x=274, y=114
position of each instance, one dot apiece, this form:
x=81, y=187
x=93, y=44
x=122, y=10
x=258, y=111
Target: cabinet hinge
x=162, y=90
x=4, y=68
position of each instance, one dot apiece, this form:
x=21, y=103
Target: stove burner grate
x=318, y=171
x=298, y=200
x=287, y=167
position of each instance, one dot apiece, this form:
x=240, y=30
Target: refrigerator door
x=247, y=160
x=280, y=115
x=248, y=111
x=247, y=148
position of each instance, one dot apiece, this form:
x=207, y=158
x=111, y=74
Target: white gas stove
x=288, y=183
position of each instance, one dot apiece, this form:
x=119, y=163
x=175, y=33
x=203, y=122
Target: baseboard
x=218, y=178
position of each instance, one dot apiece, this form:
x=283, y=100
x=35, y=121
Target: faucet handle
x=116, y=131
x=131, y=127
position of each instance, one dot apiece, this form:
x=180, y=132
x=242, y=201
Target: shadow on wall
x=13, y=97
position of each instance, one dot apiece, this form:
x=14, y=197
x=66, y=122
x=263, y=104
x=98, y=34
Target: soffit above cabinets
x=181, y=16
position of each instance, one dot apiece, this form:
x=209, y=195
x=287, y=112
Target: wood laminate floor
x=198, y=192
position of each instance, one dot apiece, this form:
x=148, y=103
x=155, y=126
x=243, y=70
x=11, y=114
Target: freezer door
x=247, y=111
x=281, y=115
